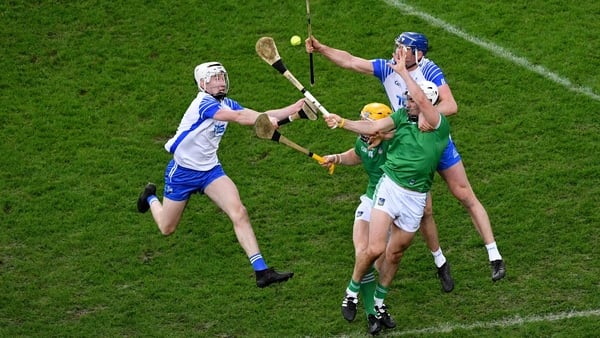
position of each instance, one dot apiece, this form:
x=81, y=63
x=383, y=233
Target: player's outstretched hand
x=332, y=120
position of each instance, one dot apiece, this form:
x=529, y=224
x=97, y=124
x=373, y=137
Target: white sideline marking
x=517, y=320
x=506, y=54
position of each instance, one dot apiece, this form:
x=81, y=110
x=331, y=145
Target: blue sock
x=258, y=262
x=151, y=199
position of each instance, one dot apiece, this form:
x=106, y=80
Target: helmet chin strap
x=416, y=58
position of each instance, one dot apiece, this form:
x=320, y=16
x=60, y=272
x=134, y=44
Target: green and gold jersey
x=372, y=160
x=413, y=155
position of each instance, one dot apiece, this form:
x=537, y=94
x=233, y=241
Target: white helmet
x=431, y=90
x=204, y=72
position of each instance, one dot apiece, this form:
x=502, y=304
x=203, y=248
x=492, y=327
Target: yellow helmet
x=375, y=111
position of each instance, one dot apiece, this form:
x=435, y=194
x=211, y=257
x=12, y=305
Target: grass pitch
x=91, y=91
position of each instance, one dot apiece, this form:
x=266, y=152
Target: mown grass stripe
x=497, y=50
x=503, y=323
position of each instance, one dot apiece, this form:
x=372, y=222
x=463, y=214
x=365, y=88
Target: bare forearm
x=446, y=105
x=348, y=157
x=360, y=127
x=345, y=60
x=447, y=108
x=281, y=113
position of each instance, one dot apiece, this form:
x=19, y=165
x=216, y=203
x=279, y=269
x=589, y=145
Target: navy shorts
x=450, y=156
x=181, y=183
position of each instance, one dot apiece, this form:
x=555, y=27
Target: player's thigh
x=428, y=210
x=172, y=211
x=360, y=234
x=362, y=216
x=399, y=241
x=224, y=193
x=378, y=230
x=457, y=180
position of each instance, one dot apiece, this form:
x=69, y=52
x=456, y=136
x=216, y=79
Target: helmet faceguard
x=414, y=41
x=213, y=72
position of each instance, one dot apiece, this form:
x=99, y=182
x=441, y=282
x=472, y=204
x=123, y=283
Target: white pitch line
x=506, y=54
x=517, y=320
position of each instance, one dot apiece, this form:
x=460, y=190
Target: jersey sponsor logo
x=380, y=201
x=401, y=97
x=371, y=152
x=219, y=129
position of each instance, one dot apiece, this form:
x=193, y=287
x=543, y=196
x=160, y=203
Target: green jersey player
x=400, y=196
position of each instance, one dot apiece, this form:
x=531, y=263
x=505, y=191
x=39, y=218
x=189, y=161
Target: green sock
x=353, y=288
x=367, y=290
x=380, y=293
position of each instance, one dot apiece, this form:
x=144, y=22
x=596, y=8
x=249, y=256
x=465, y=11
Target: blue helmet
x=415, y=41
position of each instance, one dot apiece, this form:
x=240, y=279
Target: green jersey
x=372, y=159
x=413, y=155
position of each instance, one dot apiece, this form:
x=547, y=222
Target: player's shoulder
x=380, y=65
x=232, y=104
x=427, y=64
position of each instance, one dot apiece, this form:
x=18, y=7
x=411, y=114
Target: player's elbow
x=453, y=108
x=448, y=107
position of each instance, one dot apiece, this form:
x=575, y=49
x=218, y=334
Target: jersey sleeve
x=380, y=69
x=209, y=106
x=433, y=73
x=234, y=105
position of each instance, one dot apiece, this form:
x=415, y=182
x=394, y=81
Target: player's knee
x=374, y=251
x=393, y=257
x=168, y=228
x=465, y=196
x=239, y=215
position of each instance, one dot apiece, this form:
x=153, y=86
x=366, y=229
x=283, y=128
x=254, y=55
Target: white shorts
x=405, y=207
x=363, y=211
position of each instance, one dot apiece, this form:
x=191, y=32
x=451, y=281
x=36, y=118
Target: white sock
x=493, y=252
x=378, y=302
x=351, y=293
x=438, y=257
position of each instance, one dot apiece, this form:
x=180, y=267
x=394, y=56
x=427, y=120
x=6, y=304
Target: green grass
x=90, y=91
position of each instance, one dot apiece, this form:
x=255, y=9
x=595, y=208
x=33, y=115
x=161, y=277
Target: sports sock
x=151, y=199
x=380, y=293
x=438, y=257
x=367, y=291
x=353, y=288
x=258, y=263
x=493, y=252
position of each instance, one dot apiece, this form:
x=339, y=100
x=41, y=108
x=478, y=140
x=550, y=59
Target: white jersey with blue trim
x=395, y=87
x=197, y=139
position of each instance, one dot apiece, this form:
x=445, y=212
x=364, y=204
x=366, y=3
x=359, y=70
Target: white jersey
x=395, y=87
x=195, y=144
